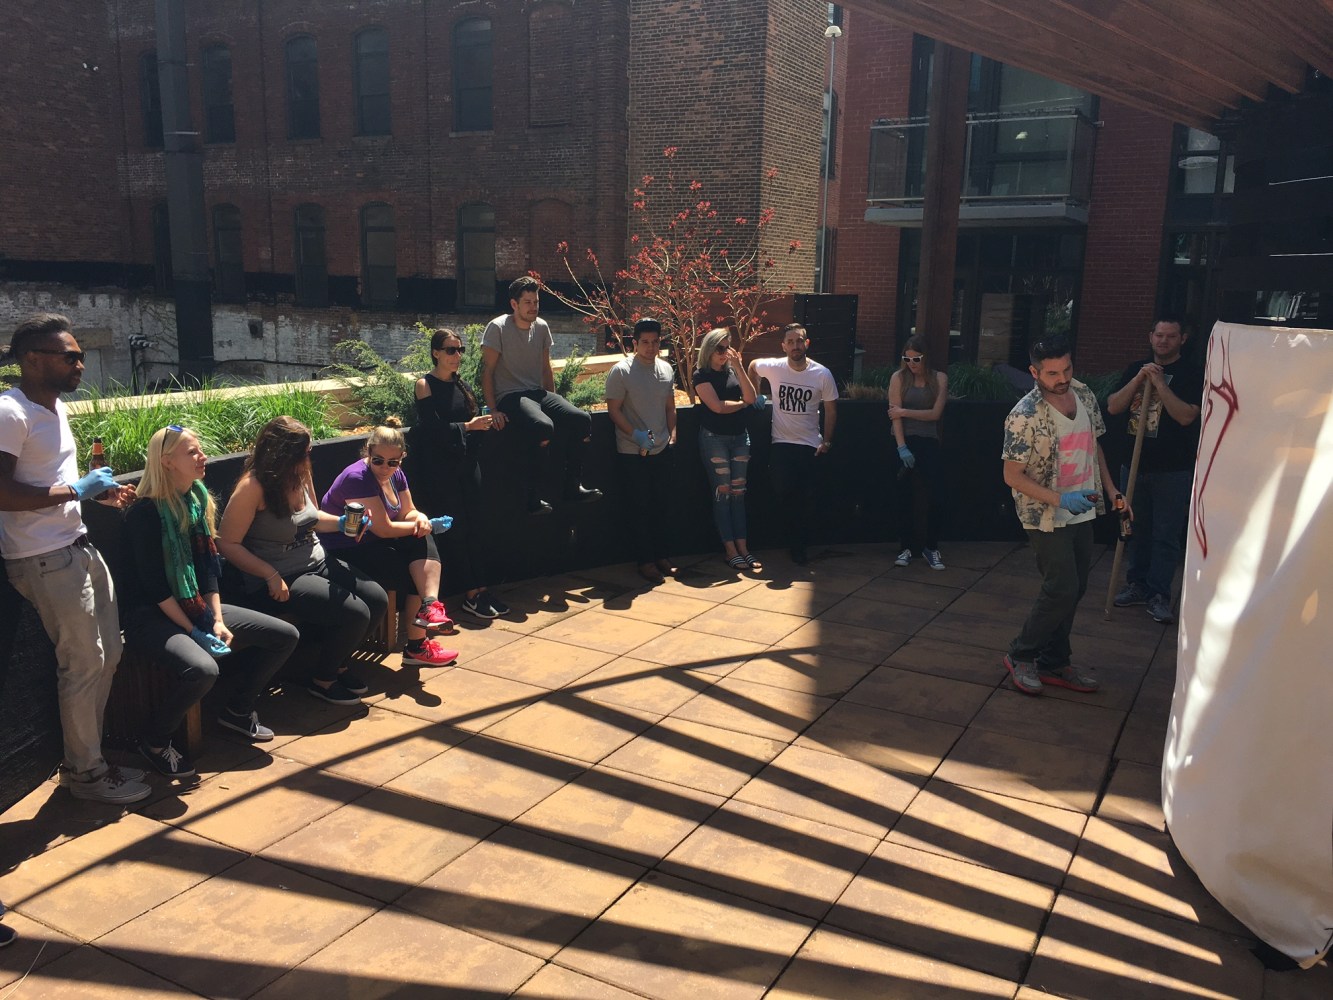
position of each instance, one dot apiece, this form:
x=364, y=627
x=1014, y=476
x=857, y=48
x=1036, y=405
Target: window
x=219, y=117
x=150, y=99
x=379, y=261
x=162, y=281
x=372, y=82
x=476, y=256
x=228, y=258
x=302, y=88
x=312, y=272
x=472, y=75
x=1201, y=165
x=550, y=33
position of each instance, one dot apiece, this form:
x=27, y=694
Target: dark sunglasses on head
x=71, y=357
x=392, y=463
x=450, y=350
x=912, y=361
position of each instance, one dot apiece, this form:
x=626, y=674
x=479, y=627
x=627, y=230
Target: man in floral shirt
x=1054, y=464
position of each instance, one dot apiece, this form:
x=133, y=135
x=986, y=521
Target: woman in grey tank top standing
x=917, y=394
x=268, y=533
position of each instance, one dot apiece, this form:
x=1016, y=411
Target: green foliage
x=9, y=375
x=225, y=424
x=382, y=389
x=583, y=391
x=967, y=381
x=1101, y=385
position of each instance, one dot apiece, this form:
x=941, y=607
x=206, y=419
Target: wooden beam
x=1304, y=27
x=1260, y=50
x=946, y=144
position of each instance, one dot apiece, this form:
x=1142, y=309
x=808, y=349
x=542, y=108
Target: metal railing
x=1031, y=156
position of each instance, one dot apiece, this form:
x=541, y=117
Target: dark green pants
x=1064, y=557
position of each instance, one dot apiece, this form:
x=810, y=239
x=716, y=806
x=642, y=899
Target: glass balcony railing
x=1037, y=158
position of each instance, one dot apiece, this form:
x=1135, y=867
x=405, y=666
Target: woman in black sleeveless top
x=447, y=422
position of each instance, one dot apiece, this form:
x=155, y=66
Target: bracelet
x=73, y=493
x=271, y=576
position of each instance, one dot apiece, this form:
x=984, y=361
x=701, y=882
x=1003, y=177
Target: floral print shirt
x=1030, y=437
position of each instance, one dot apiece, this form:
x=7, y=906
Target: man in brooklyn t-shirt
x=797, y=387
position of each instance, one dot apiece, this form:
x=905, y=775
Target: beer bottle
x=97, y=460
x=1126, y=523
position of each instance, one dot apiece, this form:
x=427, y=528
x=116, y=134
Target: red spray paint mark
x=1221, y=402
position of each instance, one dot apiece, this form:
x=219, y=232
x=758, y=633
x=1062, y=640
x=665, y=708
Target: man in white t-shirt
x=799, y=388
x=48, y=558
x=1054, y=465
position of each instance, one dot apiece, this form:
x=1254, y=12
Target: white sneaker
x=904, y=557
x=112, y=787
x=932, y=557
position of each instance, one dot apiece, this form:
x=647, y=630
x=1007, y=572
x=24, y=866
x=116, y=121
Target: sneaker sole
x=118, y=800
x=1133, y=602
x=478, y=614
x=1060, y=682
x=1013, y=679
x=409, y=661
x=1166, y=619
x=244, y=731
x=333, y=701
x=191, y=773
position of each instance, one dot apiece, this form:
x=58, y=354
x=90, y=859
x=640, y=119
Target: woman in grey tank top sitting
x=917, y=394
x=268, y=534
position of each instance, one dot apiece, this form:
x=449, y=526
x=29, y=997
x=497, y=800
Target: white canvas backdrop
x=1247, y=777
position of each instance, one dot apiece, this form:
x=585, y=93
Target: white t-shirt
x=43, y=445
x=796, y=397
x=1078, y=460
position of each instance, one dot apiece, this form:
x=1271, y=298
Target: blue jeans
x=726, y=460
x=1161, y=510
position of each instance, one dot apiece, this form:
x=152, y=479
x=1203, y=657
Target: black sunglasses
x=912, y=361
x=392, y=463
x=451, y=350
x=72, y=358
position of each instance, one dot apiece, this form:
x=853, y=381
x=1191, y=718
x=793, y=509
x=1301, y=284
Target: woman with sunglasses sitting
x=447, y=422
x=917, y=394
x=276, y=564
x=401, y=553
x=171, y=607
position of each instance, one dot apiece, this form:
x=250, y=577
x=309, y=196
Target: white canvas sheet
x=1247, y=779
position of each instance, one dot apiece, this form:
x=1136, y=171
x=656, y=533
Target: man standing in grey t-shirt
x=519, y=387
x=641, y=401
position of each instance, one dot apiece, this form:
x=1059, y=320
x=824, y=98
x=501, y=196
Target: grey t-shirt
x=520, y=366
x=645, y=390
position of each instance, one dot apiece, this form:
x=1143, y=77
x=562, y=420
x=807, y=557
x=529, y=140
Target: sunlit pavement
x=813, y=782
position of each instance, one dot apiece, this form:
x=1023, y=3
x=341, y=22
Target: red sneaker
x=433, y=616
x=430, y=654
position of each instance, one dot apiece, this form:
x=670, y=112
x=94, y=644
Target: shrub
x=383, y=390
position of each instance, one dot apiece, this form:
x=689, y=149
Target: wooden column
x=946, y=142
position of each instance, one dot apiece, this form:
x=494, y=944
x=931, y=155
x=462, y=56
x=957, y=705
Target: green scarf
x=189, y=555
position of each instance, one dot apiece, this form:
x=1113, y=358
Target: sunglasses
x=176, y=427
x=392, y=463
x=450, y=350
x=72, y=358
x=912, y=361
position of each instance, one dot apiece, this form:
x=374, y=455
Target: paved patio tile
x=832, y=789
x=656, y=606
x=1024, y=769
x=947, y=909
x=291, y=713
x=262, y=919
x=1095, y=949
x=678, y=941
x=972, y=630
x=624, y=815
x=555, y=983
x=771, y=857
x=543, y=662
x=382, y=844
x=89, y=974
x=88, y=886
x=536, y=604
x=1299, y=984
x=493, y=779
x=805, y=602
x=523, y=890
x=889, y=589
x=570, y=726
x=711, y=654
x=913, y=693
x=1134, y=796
x=949, y=659
x=680, y=752
x=405, y=956
x=901, y=618
x=758, y=709
x=641, y=684
x=1014, y=836
x=888, y=740
x=1141, y=741
x=851, y=642
x=709, y=580
x=37, y=945
x=808, y=673
x=467, y=699
x=250, y=810
x=834, y=963
x=1080, y=725
x=376, y=748
x=598, y=630
x=954, y=577
x=751, y=623
x=997, y=607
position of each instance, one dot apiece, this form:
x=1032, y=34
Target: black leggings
x=921, y=495
x=386, y=560
x=542, y=418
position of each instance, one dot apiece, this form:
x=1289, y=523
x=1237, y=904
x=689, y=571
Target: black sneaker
x=480, y=606
x=352, y=682
x=497, y=605
x=245, y=723
x=538, y=507
x=7, y=935
x=168, y=760
x=335, y=693
x=580, y=494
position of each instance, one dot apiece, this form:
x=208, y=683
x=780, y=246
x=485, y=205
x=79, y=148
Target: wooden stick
x=1129, y=490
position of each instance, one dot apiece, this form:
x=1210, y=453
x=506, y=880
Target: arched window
x=228, y=255
x=476, y=256
x=312, y=270
x=219, y=115
x=379, y=257
x=372, y=82
x=150, y=100
x=551, y=63
x=302, y=60
x=472, y=75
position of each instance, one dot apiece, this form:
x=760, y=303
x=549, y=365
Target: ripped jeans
x=726, y=460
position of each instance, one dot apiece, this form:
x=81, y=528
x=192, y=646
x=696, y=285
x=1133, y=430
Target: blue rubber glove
x=1077, y=502
x=643, y=439
x=365, y=523
x=210, y=643
x=441, y=524
x=905, y=454
x=760, y=401
x=97, y=481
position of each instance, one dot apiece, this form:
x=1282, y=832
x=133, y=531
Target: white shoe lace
x=172, y=756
